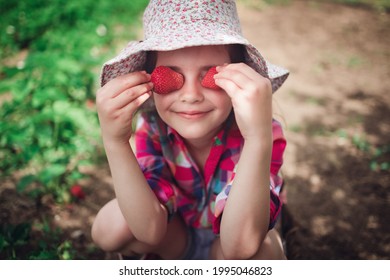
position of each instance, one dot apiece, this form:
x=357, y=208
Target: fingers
x=124, y=90
x=133, y=94
x=239, y=77
x=131, y=107
x=228, y=86
x=116, y=86
x=251, y=96
x=237, y=73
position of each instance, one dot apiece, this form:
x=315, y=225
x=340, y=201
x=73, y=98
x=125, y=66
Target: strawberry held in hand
x=166, y=80
x=208, y=79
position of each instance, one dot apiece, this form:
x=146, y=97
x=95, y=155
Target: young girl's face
x=195, y=112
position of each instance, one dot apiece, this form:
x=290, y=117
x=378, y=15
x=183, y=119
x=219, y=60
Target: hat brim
x=133, y=57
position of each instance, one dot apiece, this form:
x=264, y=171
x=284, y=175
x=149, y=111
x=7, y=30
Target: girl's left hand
x=251, y=96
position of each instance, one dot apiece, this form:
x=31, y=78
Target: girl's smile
x=192, y=114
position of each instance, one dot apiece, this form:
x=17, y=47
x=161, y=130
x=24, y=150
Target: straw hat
x=174, y=24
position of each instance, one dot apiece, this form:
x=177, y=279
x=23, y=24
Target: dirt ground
x=335, y=110
x=337, y=91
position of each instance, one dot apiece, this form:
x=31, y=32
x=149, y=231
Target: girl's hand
x=251, y=96
x=117, y=101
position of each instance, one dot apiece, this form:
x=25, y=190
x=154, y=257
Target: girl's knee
x=271, y=248
x=109, y=229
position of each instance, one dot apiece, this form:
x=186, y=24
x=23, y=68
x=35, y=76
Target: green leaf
x=47, y=96
x=3, y=242
x=51, y=172
x=385, y=166
x=24, y=182
x=373, y=165
x=76, y=175
x=20, y=233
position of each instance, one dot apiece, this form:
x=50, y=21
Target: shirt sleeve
x=276, y=181
x=153, y=165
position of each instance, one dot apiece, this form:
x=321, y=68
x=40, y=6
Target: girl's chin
x=191, y=134
x=196, y=126
x=196, y=132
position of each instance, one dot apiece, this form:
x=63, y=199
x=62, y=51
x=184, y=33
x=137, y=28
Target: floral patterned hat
x=174, y=24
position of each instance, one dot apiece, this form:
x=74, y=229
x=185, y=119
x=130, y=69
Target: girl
x=203, y=181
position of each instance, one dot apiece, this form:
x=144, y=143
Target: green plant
x=48, y=124
x=361, y=143
x=378, y=156
x=13, y=237
x=381, y=159
x=40, y=241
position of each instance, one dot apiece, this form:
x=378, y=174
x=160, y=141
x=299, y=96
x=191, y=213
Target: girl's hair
x=237, y=53
x=151, y=60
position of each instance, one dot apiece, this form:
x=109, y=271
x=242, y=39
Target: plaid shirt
x=179, y=184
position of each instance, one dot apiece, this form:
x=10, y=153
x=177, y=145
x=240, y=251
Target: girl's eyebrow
x=179, y=69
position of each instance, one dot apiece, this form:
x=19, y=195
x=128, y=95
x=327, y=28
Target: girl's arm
x=116, y=103
x=144, y=214
x=245, y=219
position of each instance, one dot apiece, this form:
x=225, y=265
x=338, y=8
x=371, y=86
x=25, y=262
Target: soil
x=335, y=110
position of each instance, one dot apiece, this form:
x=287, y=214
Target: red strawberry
x=166, y=80
x=208, y=79
x=77, y=192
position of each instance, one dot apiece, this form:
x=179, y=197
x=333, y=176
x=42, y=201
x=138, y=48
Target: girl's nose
x=191, y=92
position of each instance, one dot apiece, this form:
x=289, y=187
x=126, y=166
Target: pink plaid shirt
x=178, y=183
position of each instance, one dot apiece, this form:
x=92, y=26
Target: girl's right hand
x=117, y=101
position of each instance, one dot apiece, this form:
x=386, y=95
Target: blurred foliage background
x=51, y=52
